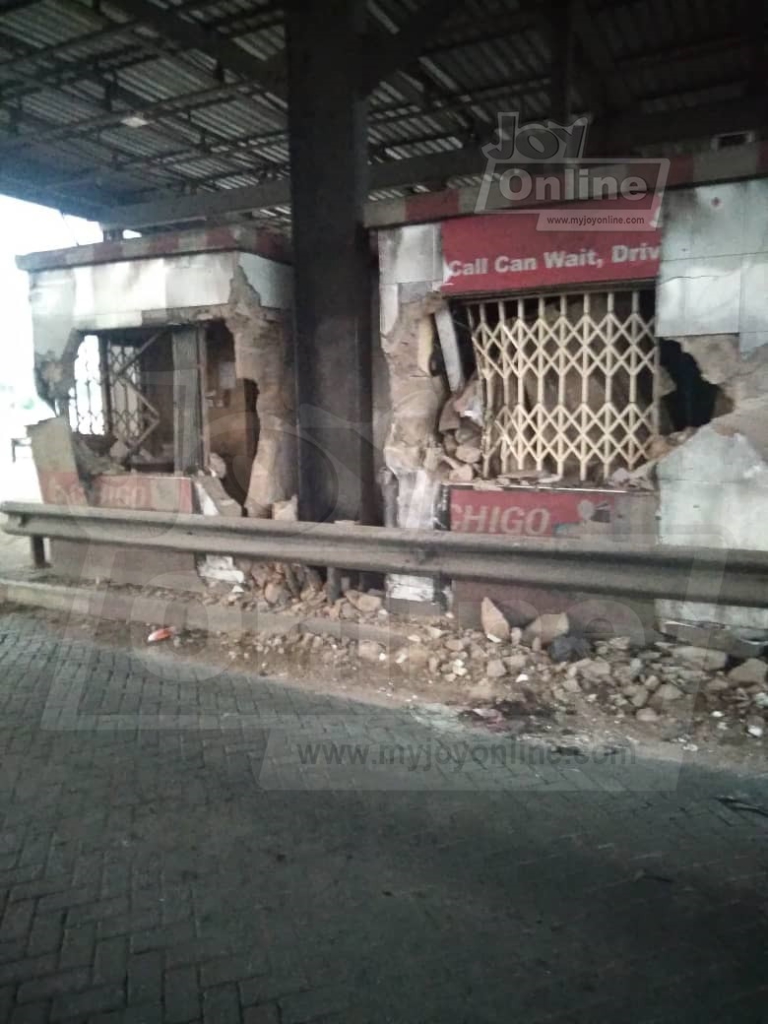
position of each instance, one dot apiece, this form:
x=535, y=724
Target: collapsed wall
x=678, y=405
x=263, y=354
x=156, y=306
x=713, y=301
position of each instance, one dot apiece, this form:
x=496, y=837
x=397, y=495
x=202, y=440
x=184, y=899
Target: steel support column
x=329, y=186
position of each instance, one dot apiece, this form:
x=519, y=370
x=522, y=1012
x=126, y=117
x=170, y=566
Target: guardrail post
x=37, y=547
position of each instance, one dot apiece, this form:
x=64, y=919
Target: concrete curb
x=155, y=611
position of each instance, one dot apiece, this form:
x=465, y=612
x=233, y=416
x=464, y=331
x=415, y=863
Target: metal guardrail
x=708, y=575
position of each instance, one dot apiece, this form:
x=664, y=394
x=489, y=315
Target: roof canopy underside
x=111, y=103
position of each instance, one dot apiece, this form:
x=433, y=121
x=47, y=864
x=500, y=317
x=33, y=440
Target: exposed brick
x=163, y=937
x=92, y=1001
x=53, y=985
x=17, y=920
x=262, y=1015
x=29, y=967
x=532, y=891
x=30, y=1013
x=111, y=961
x=221, y=1005
x=181, y=995
x=46, y=934
x=145, y=978
x=231, y=968
x=77, y=947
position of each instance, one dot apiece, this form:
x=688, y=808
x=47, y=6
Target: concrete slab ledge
x=157, y=611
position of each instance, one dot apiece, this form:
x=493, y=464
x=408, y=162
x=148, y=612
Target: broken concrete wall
x=411, y=274
x=713, y=277
x=263, y=354
x=714, y=493
x=172, y=283
x=713, y=300
x=133, y=284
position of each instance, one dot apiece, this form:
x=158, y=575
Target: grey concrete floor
x=182, y=844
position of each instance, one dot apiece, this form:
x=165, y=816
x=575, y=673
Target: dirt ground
x=523, y=708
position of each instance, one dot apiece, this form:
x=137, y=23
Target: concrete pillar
x=332, y=258
x=187, y=414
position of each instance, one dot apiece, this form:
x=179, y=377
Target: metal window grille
x=570, y=382
x=132, y=416
x=86, y=399
x=108, y=396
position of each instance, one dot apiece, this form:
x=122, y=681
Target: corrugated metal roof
x=97, y=108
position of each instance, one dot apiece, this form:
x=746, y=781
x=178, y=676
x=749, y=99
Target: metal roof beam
x=599, y=55
x=627, y=131
x=269, y=74
x=387, y=53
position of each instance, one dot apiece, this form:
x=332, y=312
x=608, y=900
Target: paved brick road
x=165, y=855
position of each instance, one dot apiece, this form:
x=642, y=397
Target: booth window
x=570, y=382
x=115, y=396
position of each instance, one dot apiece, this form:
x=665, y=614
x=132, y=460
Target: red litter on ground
x=161, y=634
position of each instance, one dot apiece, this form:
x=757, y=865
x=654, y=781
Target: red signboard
x=535, y=514
x=522, y=251
x=143, y=492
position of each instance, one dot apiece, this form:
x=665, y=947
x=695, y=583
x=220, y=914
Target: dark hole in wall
x=233, y=425
x=695, y=401
x=464, y=339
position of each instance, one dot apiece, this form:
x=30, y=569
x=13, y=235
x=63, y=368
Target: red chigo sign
x=512, y=252
x=532, y=514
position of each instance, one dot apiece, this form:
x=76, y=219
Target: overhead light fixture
x=134, y=121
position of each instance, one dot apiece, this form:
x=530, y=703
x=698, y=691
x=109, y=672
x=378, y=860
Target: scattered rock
x=484, y=690
x=640, y=697
x=594, y=669
x=547, y=628
x=368, y=650
x=286, y=511
x=368, y=604
x=276, y=593
x=495, y=625
x=636, y=668
x=455, y=645
x=449, y=418
x=516, y=662
x=414, y=657
x=462, y=475
x=620, y=643
x=469, y=453
x=646, y=715
x=751, y=672
x=667, y=692
x=496, y=669
x=755, y=727
x=701, y=657
x=569, y=648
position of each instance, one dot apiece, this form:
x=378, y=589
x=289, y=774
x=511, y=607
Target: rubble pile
x=299, y=590
x=510, y=677
x=461, y=435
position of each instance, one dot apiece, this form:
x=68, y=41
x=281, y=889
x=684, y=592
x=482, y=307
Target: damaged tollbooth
x=623, y=401
x=167, y=362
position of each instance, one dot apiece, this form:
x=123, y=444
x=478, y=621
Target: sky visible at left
x=25, y=228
